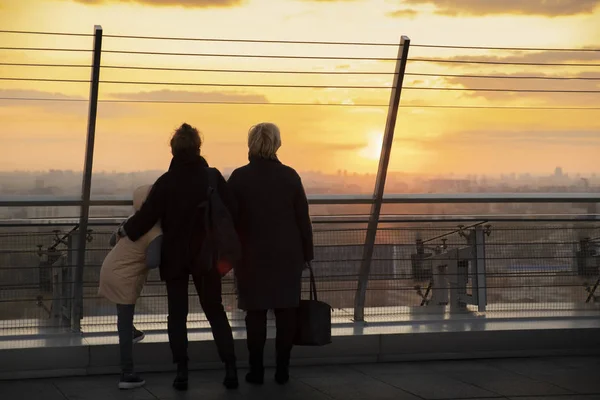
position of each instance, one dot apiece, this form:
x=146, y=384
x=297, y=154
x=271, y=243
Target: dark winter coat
x=173, y=200
x=275, y=230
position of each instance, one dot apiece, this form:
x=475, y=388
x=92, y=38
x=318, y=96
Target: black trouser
x=208, y=287
x=256, y=327
x=125, y=327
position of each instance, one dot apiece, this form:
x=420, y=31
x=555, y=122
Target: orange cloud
x=170, y=3
x=403, y=13
x=62, y=104
x=550, y=8
x=58, y=103
x=191, y=96
x=535, y=57
x=517, y=81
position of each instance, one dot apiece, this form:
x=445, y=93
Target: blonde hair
x=264, y=140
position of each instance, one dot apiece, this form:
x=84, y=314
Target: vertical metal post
x=480, y=269
x=592, y=210
x=77, y=309
x=384, y=160
x=69, y=290
x=455, y=281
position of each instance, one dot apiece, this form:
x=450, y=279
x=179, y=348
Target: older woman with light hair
x=275, y=230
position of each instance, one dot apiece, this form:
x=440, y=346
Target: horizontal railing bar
x=337, y=219
x=492, y=198
x=39, y=201
x=66, y=201
x=341, y=199
x=313, y=199
x=463, y=218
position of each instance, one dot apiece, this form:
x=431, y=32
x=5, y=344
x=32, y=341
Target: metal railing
x=341, y=199
x=427, y=264
x=372, y=221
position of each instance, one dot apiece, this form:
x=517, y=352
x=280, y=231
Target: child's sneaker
x=138, y=336
x=131, y=381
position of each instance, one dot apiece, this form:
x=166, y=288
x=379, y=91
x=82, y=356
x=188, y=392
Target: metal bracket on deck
x=56, y=273
x=451, y=270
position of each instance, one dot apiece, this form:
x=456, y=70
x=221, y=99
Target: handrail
x=337, y=219
x=492, y=198
x=331, y=199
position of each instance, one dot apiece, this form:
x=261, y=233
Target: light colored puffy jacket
x=125, y=268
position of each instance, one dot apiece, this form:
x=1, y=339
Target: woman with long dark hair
x=174, y=200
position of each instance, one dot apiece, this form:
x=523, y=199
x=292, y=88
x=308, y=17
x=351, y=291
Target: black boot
x=256, y=375
x=282, y=372
x=282, y=375
x=181, y=380
x=231, y=376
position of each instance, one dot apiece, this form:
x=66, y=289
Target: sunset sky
x=133, y=136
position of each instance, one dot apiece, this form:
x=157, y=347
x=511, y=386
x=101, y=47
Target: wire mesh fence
x=528, y=266
x=26, y=288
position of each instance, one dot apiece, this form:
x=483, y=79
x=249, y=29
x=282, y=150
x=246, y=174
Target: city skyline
x=132, y=136
x=68, y=182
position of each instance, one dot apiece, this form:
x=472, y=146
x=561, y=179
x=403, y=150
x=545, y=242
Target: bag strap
x=203, y=205
x=192, y=221
x=212, y=179
x=313, y=284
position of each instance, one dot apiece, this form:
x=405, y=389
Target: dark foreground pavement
x=523, y=379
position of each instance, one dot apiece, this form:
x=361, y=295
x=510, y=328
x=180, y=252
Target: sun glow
x=372, y=150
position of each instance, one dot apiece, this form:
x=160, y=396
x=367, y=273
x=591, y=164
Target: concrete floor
x=519, y=379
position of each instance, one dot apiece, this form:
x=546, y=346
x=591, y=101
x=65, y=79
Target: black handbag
x=314, y=319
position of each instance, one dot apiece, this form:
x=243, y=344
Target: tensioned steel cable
x=328, y=72
x=266, y=41
x=198, y=84
x=189, y=102
x=46, y=33
x=252, y=85
x=275, y=56
x=308, y=42
x=9, y=64
x=233, y=55
x=303, y=104
x=55, y=49
x=442, y=46
x=441, y=60
x=441, y=89
x=142, y=68
x=585, y=78
x=300, y=72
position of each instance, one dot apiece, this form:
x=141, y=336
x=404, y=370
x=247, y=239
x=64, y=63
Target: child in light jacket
x=122, y=278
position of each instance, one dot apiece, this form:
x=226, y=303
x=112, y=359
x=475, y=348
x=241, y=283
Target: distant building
x=50, y=212
x=558, y=172
x=449, y=185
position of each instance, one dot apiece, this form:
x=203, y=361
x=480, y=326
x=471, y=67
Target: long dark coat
x=275, y=230
x=173, y=200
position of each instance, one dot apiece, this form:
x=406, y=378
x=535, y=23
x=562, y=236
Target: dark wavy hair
x=186, y=141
